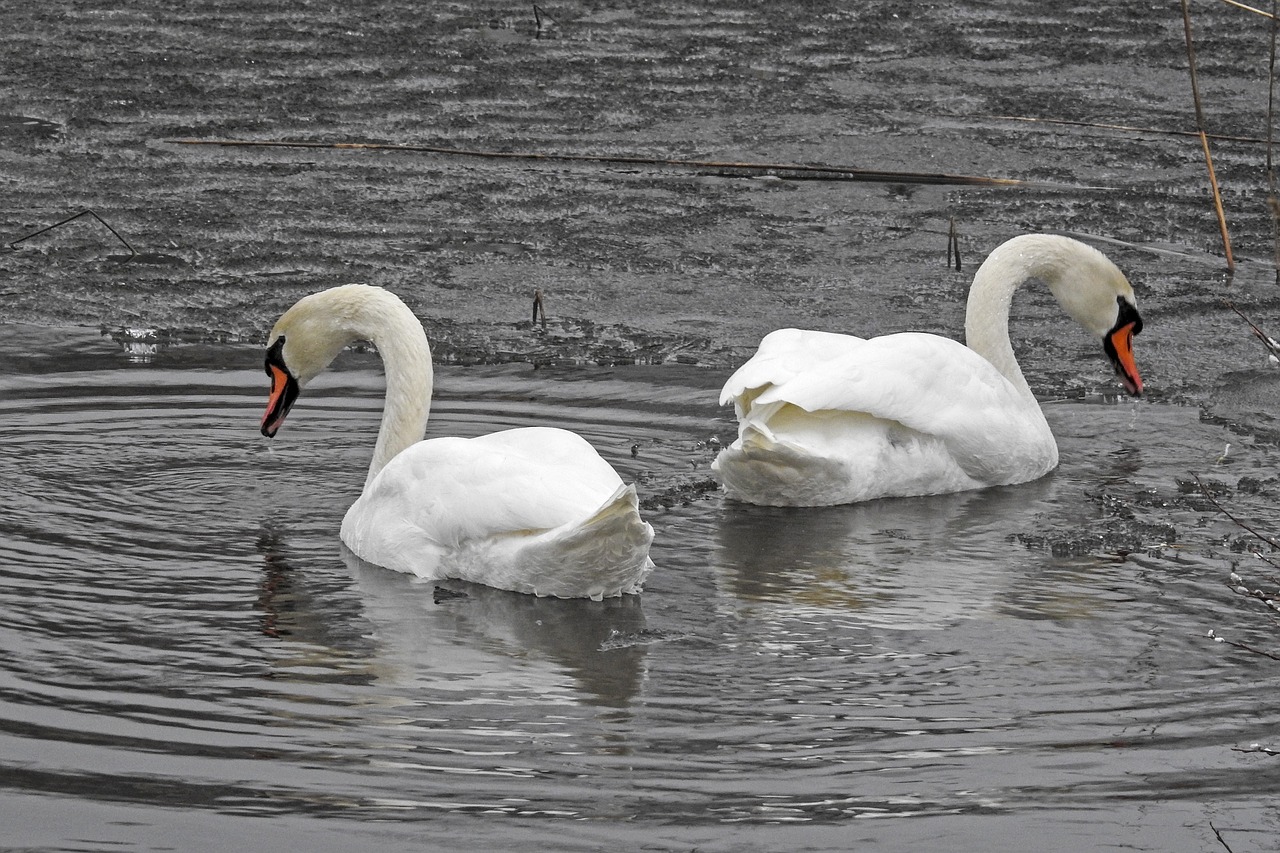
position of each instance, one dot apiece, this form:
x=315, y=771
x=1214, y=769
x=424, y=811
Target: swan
x=533, y=510
x=827, y=419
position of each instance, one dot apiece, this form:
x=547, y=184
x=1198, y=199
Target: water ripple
x=188, y=631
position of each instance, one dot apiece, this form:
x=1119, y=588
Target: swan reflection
x=450, y=636
x=903, y=563
x=302, y=603
x=490, y=637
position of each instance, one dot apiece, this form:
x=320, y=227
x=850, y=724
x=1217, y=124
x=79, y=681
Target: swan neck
x=406, y=359
x=986, y=327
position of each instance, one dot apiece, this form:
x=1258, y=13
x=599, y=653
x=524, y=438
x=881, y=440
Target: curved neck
x=314, y=331
x=406, y=359
x=408, y=396
x=986, y=323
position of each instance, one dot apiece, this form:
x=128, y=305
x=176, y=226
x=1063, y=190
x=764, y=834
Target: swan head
x=1097, y=295
x=304, y=341
x=1094, y=292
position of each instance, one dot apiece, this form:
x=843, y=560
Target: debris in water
x=132, y=253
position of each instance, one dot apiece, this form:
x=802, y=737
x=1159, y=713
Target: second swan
x=532, y=510
x=828, y=419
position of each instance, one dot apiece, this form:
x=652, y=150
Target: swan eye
x=275, y=356
x=1127, y=314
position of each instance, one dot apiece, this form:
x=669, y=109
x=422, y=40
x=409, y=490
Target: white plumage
x=829, y=419
x=532, y=510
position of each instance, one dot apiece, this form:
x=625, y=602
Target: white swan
x=532, y=510
x=830, y=419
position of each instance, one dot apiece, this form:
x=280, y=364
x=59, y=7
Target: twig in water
x=1244, y=647
x=1128, y=128
x=132, y=254
x=791, y=171
x=1221, y=840
x=1204, y=139
x=1272, y=202
x=1270, y=14
x=1270, y=540
x=542, y=21
x=538, y=308
x=1272, y=345
x=953, y=245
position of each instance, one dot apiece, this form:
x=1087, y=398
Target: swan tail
x=834, y=458
x=761, y=469
x=602, y=556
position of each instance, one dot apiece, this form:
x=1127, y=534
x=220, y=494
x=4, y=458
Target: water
x=195, y=663
x=192, y=662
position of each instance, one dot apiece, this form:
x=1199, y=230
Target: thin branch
x=132, y=254
x=1127, y=128
x=953, y=245
x=1221, y=840
x=1237, y=586
x=1272, y=202
x=794, y=171
x=1244, y=647
x=1270, y=540
x=1272, y=345
x=538, y=308
x=1250, y=9
x=1264, y=558
x=1204, y=140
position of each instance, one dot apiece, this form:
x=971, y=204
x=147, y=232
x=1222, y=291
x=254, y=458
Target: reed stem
x=1204, y=140
x=792, y=171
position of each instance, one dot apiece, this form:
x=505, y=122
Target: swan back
x=783, y=355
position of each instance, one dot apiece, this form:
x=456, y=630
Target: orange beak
x=1119, y=347
x=284, y=389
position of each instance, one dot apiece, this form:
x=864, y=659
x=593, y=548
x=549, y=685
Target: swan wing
x=930, y=385
x=782, y=356
x=458, y=490
x=923, y=381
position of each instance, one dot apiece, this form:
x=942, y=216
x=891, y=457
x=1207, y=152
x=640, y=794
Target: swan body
x=533, y=510
x=827, y=418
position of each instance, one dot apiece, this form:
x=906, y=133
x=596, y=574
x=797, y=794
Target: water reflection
x=903, y=563
x=140, y=345
x=432, y=630
x=302, y=606
x=248, y=668
x=431, y=633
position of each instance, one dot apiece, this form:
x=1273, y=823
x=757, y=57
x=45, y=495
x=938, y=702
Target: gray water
x=194, y=663
x=190, y=662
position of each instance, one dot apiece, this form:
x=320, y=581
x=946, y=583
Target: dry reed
x=791, y=171
x=1204, y=139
